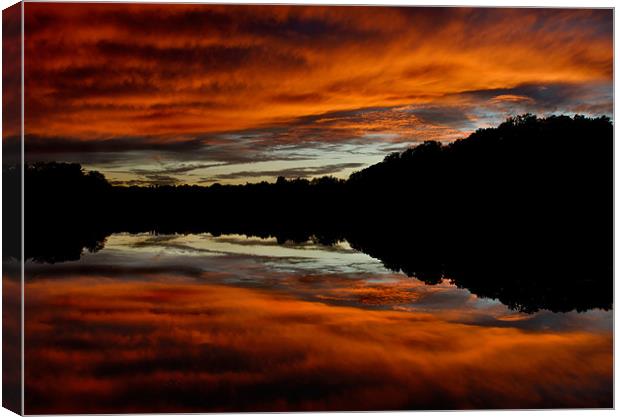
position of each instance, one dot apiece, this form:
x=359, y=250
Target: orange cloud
x=103, y=70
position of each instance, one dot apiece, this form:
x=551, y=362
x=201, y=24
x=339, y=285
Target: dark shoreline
x=522, y=212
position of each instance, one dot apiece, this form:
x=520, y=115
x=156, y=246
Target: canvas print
x=244, y=208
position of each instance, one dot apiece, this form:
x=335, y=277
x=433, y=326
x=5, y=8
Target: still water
x=197, y=323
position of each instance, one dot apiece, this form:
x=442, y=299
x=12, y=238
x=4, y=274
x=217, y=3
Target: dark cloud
x=206, y=58
x=294, y=23
x=302, y=172
x=448, y=115
x=158, y=179
x=36, y=144
x=296, y=98
x=148, y=180
x=161, y=176
x=180, y=169
x=547, y=97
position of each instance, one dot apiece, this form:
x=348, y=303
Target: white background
x=534, y=3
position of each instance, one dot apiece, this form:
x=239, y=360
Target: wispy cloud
x=301, y=172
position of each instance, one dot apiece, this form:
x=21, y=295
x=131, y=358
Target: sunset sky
x=165, y=94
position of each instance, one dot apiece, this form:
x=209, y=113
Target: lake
x=199, y=323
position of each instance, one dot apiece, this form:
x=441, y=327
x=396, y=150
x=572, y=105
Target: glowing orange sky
x=198, y=83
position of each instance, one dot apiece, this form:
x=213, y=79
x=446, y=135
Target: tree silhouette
x=521, y=212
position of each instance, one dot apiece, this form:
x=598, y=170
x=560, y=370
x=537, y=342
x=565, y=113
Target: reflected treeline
x=521, y=212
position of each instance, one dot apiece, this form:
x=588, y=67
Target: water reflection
x=11, y=335
x=525, y=276
x=229, y=323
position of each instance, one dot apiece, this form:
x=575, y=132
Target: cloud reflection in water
x=255, y=326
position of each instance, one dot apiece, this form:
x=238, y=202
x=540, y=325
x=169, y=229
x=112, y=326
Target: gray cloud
x=551, y=97
x=301, y=172
x=179, y=169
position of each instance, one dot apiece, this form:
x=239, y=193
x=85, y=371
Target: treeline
x=526, y=163
x=527, y=204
